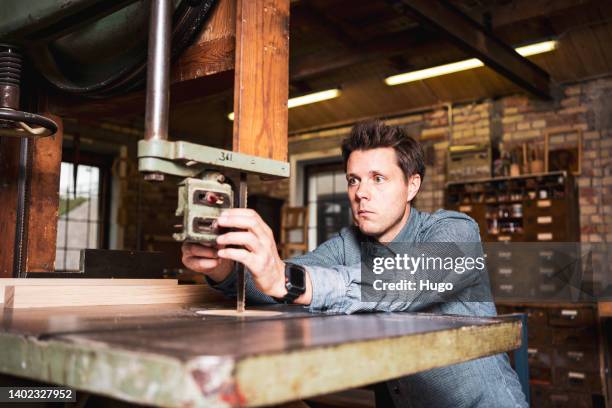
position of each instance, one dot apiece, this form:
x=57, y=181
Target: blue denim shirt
x=335, y=273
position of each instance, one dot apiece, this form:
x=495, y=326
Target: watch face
x=297, y=276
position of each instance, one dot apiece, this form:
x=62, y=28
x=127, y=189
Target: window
x=82, y=215
x=328, y=204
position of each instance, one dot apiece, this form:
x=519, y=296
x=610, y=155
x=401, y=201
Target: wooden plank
x=17, y=297
x=80, y=282
x=478, y=42
x=213, y=51
x=43, y=202
x=261, y=83
x=9, y=170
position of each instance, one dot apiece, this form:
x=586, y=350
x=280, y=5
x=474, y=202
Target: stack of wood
x=40, y=292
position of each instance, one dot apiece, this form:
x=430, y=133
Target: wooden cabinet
x=537, y=208
x=565, y=354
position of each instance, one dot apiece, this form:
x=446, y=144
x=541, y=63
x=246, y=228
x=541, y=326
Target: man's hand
x=257, y=249
x=203, y=259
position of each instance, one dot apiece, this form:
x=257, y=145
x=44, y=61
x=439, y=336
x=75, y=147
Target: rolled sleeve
x=329, y=288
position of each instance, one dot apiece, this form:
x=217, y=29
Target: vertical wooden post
x=44, y=201
x=9, y=175
x=261, y=81
x=42, y=205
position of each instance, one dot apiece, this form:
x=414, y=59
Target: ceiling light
x=532, y=49
x=307, y=99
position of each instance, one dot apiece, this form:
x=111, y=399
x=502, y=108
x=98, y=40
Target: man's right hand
x=203, y=259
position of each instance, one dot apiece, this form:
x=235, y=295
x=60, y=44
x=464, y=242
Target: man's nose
x=362, y=192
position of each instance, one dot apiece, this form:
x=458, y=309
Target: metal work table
x=171, y=356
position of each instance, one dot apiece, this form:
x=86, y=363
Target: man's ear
x=414, y=184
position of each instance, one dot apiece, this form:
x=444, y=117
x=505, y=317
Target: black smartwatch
x=295, y=283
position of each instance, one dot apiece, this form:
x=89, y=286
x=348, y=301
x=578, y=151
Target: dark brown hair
x=373, y=134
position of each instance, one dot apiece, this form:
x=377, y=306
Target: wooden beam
x=9, y=174
x=325, y=61
x=261, y=78
x=17, y=297
x=521, y=10
x=43, y=204
x=475, y=40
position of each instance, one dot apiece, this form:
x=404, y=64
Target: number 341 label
x=39, y=394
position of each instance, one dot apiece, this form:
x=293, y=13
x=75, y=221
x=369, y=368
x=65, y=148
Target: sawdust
x=234, y=313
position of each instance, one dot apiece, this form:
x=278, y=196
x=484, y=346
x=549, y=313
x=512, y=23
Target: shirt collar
x=409, y=231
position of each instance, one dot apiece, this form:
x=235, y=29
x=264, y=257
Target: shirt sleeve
x=338, y=289
x=328, y=253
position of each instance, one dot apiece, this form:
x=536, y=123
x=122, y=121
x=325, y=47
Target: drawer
x=540, y=375
x=537, y=317
x=540, y=356
x=572, y=337
x=553, y=289
x=539, y=396
x=563, y=399
x=572, y=317
x=577, y=359
x=578, y=380
x=508, y=289
x=539, y=335
x=547, y=207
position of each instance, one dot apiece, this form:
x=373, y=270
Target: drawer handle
x=505, y=271
x=505, y=254
x=544, y=203
x=532, y=351
x=547, y=271
x=544, y=220
x=507, y=287
x=465, y=208
x=545, y=236
x=576, y=376
x=547, y=287
x=575, y=355
x=569, y=313
x=557, y=397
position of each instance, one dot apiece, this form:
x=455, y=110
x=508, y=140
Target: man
x=385, y=168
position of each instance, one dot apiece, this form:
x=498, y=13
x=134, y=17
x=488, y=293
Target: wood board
x=4, y=282
x=17, y=297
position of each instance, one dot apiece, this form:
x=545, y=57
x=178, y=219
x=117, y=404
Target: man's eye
x=352, y=182
x=379, y=179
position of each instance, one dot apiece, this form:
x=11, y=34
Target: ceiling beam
x=478, y=42
x=323, y=62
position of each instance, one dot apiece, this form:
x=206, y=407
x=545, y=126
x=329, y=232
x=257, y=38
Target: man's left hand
x=257, y=249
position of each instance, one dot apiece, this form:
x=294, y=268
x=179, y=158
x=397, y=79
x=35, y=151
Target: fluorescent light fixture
x=464, y=65
x=313, y=98
x=307, y=99
x=537, y=48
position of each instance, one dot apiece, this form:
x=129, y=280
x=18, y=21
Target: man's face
x=379, y=192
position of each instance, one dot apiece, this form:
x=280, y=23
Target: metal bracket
x=187, y=159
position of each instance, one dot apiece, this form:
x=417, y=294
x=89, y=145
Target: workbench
x=169, y=355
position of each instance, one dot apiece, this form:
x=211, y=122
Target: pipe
x=158, y=71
